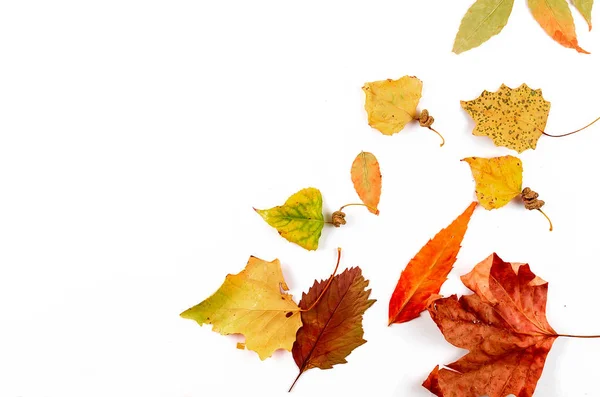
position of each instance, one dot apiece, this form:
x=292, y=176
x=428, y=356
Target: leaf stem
x=549, y=221
x=569, y=133
x=339, y=252
x=440, y=135
x=364, y=205
x=579, y=336
x=295, y=380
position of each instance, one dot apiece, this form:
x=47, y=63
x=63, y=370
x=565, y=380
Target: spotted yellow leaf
x=391, y=104
x=253, y=303
x=498, y=180
x=513, y=118
x=300, y=219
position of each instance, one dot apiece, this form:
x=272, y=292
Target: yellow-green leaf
x=498, y=180
x=391, y=104
x=300, y=219
x=253, y=303
x=513, y=118
x=585, y=8
x=485, y=18
x=555, y=17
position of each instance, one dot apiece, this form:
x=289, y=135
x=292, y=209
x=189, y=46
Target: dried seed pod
x=338, y=218
x=532, y=202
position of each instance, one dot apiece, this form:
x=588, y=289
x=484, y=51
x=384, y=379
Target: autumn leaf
x=332, y=329
x=585, y=8
x=513, y=118
x=252, y=303
x=478, y=279
x=427, y=271
x=554, y=16
x=366, y=177
x=504, y=327
x=498, y=180
x=485, y=19
x=391, y=104
x=300, y=219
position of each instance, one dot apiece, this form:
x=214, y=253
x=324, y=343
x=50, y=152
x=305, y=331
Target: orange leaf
x=366, y=177
x=332, y=329
x=555, y=17
x=504, y=327
x=427, y=271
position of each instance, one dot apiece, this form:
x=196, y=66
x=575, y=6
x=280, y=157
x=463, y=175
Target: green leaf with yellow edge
x=513, y=118
x=300, y=219
x=585, y=8
x=391, y=104
x=253, y=303
x=498, y=180
x=485, y=18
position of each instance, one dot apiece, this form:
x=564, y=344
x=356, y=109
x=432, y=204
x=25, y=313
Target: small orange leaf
x=427, y=271
x=366, y=177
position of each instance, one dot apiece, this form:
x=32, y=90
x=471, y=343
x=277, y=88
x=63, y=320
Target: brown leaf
x=504, y=327
x=332, y=329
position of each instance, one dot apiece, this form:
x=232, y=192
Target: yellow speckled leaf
x=252, y=303
x=300, y=219
x=498, y=180
x=391, y=104
x=513, y=118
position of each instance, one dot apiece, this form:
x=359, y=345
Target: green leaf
x=485, y=18
x=300, y=219
x=585, y=8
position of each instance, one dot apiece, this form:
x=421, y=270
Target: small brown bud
x=425, y=120
x=530, y=199
x=338, y=218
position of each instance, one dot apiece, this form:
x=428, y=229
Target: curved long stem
x=549, y=221
x=363, y=205
x=440, y=135
x=569, y=133
x=339, y=251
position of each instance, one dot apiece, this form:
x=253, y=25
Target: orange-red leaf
x=333, y=328
x=504, y=327
x=427, y=271
x=366, y=177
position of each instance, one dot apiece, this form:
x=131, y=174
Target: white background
x=136, y=136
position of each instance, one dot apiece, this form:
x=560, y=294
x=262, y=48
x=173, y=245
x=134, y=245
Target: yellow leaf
x=391, y=104
x=513, y=118
x=497, y=180
x=253, y=303
x=300, y=219
x=366, y=176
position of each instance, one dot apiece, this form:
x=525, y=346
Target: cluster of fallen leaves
x=300, y=219
x=503, y=324
x=487, y=18
x=320, y=331
x=326, y=325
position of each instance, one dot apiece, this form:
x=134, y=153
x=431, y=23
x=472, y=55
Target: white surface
x=135, y=137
